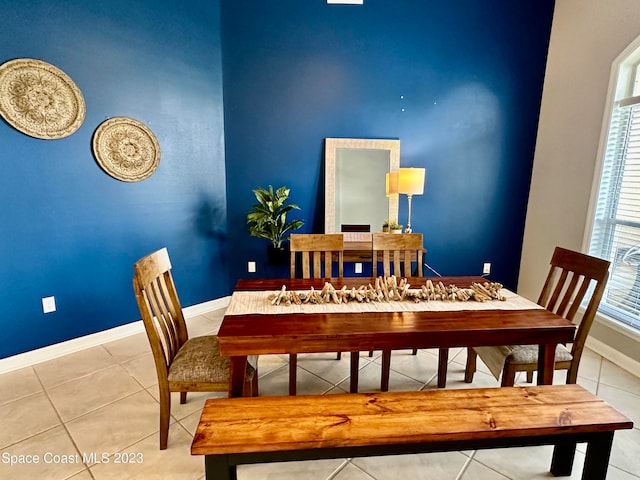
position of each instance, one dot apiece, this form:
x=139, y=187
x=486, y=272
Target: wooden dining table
x=241, y=335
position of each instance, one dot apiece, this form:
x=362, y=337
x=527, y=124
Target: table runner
x=243, y=303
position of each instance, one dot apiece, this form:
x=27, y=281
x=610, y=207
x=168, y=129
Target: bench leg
x=217, y=468
x=562, y=460
x=353, y=382
x=596, y=461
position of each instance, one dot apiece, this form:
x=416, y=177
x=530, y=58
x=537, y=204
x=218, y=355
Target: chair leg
x=293, y=365
x=572, y=372
x=183, y=398
x=529, y=376
x=254, y=384
x=415, y=351
x=165, y=408
x=386, y=370
x=443, y=359
x=251, y=386
x=371, y=353
x=471, y=366
x=508, y=375
x=338, y=355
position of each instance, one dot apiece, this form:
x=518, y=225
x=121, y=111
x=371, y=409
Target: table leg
x=546, y=363
x=238, y=372
x=353, y=383
x=386, y=369
x=293, y=370
x=443, y=359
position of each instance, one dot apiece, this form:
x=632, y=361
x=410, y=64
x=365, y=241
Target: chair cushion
x=526, y=354
x=199, y=360
x=495, y=357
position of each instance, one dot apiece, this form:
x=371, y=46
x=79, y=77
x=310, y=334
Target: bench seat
x=237, y=431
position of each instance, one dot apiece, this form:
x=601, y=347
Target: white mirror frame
x=331, y=146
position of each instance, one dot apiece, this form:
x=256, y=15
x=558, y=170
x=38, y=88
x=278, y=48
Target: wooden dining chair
x=397, y=253
x=183, y=364
x=317, y=252
x=573, y=277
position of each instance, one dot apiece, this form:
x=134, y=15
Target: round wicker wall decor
x=126, y=149
x=39, y=99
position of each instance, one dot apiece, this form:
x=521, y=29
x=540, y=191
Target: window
x=616, y=221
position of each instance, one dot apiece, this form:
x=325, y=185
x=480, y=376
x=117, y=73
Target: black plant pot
x=277, y=256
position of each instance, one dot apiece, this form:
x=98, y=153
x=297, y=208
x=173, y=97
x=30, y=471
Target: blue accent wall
x=468, y=75
x=69, y=229
x=459, y=83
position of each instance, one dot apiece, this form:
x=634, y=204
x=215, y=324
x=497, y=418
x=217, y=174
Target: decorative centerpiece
x=268, y=219
x=387, y=289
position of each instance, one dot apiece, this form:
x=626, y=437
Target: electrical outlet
x=486, y=268
x=358, y=268
x=48, y=304
x=251, y=267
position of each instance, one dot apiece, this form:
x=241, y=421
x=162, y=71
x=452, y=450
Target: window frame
x=624, y=88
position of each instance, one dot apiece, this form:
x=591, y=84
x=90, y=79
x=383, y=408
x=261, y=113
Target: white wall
x=586, y=36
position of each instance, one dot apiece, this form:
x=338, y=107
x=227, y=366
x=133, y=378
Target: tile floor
x=94, y=415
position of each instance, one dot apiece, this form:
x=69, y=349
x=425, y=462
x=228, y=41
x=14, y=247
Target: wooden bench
x=238, y=431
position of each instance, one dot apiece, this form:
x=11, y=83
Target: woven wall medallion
x=126, y=149
x=39, y=99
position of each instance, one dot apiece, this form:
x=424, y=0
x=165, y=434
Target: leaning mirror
x=355, y=193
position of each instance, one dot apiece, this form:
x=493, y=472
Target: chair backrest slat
x=557, y=290
x=398, y=250
x=162, y=320
x=577, y=299
x=306, y=270
x=567, y=297
x=317, y=250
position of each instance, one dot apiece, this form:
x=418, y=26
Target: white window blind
x=616, y=227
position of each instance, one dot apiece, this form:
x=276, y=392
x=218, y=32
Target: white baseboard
x=32, y=357
x=613, y=355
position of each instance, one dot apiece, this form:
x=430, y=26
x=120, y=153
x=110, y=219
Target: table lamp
x=410, y=182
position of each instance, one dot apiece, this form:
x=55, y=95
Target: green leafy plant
x=392, y=225
x=268, y=218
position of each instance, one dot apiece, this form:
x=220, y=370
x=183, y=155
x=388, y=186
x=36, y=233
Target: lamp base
x=408, y=229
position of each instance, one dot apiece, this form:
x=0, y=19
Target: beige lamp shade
x=411, y=181
x=391, y=183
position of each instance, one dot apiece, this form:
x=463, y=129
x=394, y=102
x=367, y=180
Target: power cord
x=432, y=269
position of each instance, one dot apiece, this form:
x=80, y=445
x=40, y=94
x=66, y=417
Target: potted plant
x=268, y=219
x=391, y=226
